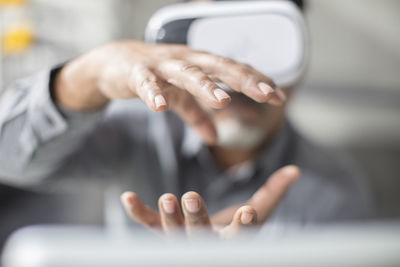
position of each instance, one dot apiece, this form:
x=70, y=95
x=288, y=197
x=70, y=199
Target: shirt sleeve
x=36, y=135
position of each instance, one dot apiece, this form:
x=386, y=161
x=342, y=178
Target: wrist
x=75, y=86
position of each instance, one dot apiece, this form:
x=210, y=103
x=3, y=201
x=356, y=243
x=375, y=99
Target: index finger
x=191, y=112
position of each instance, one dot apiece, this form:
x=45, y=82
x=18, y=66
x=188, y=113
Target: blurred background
x=349, y=100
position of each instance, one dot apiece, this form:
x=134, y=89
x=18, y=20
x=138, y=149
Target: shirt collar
x=192, y=142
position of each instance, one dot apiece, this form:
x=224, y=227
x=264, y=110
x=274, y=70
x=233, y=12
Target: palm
x=194, y=218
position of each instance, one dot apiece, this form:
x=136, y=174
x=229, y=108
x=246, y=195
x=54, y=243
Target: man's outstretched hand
x=227, y=223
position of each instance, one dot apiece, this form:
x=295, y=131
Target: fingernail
x=281, y=94
x=246, y=217
x=265, y=88
x=292, y=170
x=160, y=101
x=192, y=205
x=125, y=198
x=220, y=94
x=168, y=206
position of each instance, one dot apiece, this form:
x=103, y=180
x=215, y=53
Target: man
x=57, y=125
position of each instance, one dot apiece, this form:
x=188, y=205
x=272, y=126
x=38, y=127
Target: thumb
x=270, y=194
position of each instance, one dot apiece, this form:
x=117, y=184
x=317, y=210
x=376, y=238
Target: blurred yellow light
x=11, y=2
x=17, y=40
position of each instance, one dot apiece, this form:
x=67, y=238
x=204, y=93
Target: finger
x=147, y=86
x=243, y=218
x=170, y=214
x=225, y=216
x=194, y=209
x=140, y=212
x=159, y=95
x=191, y=78
x=191, y=112
x=279, y=97
x=268, y=196
x=239, y=77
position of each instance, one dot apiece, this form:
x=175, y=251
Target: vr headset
x=270, y=36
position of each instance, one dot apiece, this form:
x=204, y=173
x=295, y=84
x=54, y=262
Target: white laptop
x=368, y=245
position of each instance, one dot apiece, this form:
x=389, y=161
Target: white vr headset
x=270, y=36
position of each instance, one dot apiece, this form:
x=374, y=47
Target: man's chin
x=234, y=134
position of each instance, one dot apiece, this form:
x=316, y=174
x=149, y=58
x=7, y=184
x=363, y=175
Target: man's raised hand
x=164, y=77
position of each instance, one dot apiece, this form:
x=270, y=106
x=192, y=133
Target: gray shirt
x=43, y=146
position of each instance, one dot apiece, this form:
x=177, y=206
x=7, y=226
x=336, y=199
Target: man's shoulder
x=135, y=121
x=331, y=186
x=326, y=164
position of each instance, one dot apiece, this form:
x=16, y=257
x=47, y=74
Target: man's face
x=246, y=124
